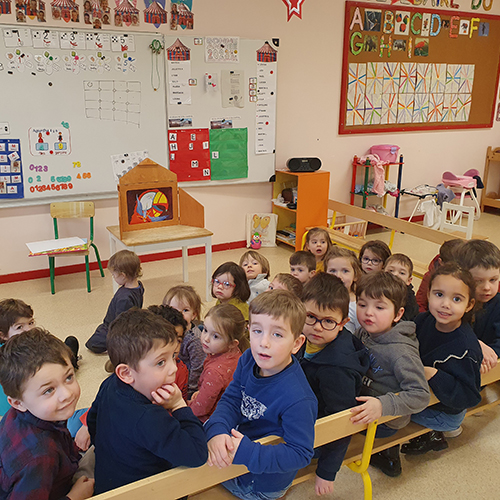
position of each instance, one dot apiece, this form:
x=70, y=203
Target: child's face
x=322, y=325
x=21, y=325
x=376, y=316
x=120, y=278
x=272, y=343
x=277, y=285
x=371, y=262
x=51, y=394
x=179, y=329
x=212, y=340
x=184, y=308
x=486, y=282
x=156, y=369
x=301, y=273
x=448, y=302
x=317, y=245
x=252, y=268
x=399, y=270
x=223, y=286
x=341, y=267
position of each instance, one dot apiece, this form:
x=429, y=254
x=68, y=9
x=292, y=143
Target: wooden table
x=163, y=238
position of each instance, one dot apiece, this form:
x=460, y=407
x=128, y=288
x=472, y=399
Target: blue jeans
x=74, y=422
x=438, y=420
x=246, y=492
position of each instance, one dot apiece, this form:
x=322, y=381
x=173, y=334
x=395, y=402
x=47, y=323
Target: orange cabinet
x=312, y=204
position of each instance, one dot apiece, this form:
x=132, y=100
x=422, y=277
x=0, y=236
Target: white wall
x=309, y=77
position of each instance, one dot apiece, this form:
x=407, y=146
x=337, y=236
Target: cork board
x=407, y=68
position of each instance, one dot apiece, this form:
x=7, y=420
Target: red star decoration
x=294, y=8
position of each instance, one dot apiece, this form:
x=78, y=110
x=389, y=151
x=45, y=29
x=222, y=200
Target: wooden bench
x=203, y=483
x=395, y=225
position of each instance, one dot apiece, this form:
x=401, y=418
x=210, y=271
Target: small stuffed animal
x=255, y=242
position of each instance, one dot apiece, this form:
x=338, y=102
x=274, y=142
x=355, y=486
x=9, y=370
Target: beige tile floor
x=467, y=470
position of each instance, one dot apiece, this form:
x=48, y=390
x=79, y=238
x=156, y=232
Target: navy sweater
x=135, y=439
x=487, y=324
x=336, y=377
x=281, y=405
x=457, y=357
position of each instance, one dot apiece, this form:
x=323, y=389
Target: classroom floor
x=466, y=470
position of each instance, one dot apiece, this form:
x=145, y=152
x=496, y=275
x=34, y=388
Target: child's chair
x=452, y=218
x=464, y=185
x=73, y=210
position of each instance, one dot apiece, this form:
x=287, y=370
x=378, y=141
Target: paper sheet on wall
x=124, y=162
x=232, y=89
x=179, y=74
x=265, y=123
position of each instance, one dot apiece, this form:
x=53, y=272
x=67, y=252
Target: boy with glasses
x=334, y=362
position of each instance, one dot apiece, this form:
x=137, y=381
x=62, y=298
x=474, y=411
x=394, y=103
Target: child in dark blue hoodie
x=334, y=362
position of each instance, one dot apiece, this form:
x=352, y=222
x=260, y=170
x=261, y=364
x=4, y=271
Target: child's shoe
x=388, y=461
x=453, y=434
x=432, y=441
x=74, y=345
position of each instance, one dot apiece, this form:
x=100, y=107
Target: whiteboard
x=70, y=109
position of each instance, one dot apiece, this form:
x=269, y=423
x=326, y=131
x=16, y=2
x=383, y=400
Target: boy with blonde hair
x=269, y=395
x=257, y=269
x=285, y=281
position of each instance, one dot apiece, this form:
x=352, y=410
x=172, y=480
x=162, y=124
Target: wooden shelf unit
x=491, y=155
x=312, y=202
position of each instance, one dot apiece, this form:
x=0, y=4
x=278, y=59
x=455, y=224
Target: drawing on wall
x=49, y=141
x=155, y=13
x=126, y=13
x=181, y=14
x=5, y=7
x=222, y=49
x=123, y=163
x=294, y=8
x=113, y=100
x=67, y=10
x=149, y=205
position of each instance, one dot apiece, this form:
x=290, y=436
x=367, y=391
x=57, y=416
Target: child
x=395, y=383
x=285, y=281
x=125, y=267
x=302, y=266
x=447, y=253
x=373, y=255
x=229, y=284
x=257, y=270
x=318, y=242
x=38, y=456
x=451, y=355
x=185, y=299
x=344, y=264
x=334, y=363
x=176, y=319
x=401, y=266
x=482, y=259
x=139, y=423
x=223, y=339
x=269, y=395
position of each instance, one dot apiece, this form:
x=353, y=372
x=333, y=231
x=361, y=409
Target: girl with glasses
x=230, y=285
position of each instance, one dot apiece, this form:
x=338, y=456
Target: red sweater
x=423, y=289
x=217, y=373
x=181, y=378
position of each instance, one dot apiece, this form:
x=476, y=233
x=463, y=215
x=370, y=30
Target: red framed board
x=407, y=68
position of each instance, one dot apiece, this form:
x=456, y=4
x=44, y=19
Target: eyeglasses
x=375, y=262
x=326, y=323
x=225, y=284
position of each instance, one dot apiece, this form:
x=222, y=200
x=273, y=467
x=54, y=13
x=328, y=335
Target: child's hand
x=368, y=412
x=236, y=438
x=82, y=489
x=169, y=396
x=429, y=372
x=490, y=358
x=82, y=438
x=220, y=449
x=323, y=487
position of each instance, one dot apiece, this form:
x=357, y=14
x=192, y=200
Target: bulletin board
x=72, y=99
x=221, y=103
x=407, y=68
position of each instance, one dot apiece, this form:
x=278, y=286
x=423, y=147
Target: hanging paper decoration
x=33, y=9
x=126, y=13
x=65, y=9
x=178, y=52
x=294, y=8
x=5, y=7
x=155, y=13
x=267, y=54
x=181, y=14
x=97, y=13
x=21, y=8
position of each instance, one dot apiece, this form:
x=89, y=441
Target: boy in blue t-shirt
x=482, y=260
x=269, y=395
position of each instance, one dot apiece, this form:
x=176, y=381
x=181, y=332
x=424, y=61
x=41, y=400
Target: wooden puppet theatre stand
x=157, y=215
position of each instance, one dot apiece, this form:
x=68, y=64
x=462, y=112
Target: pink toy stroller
x=465, y=185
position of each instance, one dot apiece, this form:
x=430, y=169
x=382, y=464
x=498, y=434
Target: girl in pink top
x=223, y=339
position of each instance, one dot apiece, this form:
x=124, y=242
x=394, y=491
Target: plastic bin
x=386, y=152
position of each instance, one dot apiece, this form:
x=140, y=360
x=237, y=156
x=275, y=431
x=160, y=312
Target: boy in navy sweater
x=269, y=395
x=139, y=423
x=482, y=260
x=334, y=362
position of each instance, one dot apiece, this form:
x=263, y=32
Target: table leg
x=208, y=266
x=185, y=271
